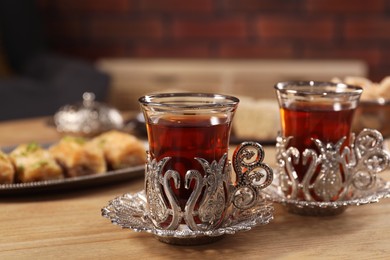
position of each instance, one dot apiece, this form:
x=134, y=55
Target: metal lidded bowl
x=87, y=118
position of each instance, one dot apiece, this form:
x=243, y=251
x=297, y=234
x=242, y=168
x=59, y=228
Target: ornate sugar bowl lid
x=87, y=118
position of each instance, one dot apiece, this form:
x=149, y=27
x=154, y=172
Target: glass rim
x=300, y=87
x=198, y=100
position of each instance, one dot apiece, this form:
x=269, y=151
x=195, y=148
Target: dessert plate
x=73, y=183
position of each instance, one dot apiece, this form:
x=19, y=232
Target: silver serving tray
x=73, y=183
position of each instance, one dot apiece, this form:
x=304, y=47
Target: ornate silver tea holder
x=218, y=204
x=348, y=175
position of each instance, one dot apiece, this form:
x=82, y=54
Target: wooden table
x=69, y=225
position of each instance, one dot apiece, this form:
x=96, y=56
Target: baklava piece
x=7, y=170
x=33, y=163
x=77, y=157
x=121, y=150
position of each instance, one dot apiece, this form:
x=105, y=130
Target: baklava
x=7, y=170
x=121, y=150
x=33, y=163
x=78, y=157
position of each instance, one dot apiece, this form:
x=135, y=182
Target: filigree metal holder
x=218, y=204
x=335, y=177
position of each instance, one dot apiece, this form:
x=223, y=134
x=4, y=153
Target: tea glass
x=316, y=119
x=187, y=179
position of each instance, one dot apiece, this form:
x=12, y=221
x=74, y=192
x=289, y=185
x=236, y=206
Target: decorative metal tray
x=129, y=211
x=73, y=183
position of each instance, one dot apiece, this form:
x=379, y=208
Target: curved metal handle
x=252, y=174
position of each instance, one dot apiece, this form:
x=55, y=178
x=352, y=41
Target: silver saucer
x=129, y=211
x=379, y=191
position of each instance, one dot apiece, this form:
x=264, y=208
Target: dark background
x=254, y=29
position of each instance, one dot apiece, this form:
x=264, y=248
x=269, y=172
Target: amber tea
x=184, y=138
x=307, y=122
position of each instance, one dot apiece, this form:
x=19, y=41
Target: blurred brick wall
x=254, y=29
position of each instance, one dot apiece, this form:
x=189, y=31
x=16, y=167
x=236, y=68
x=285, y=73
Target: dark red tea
x=307, y=121
x=183, y=138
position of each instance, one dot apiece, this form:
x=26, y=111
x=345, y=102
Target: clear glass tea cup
x=188, y=133
x=316, y=119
